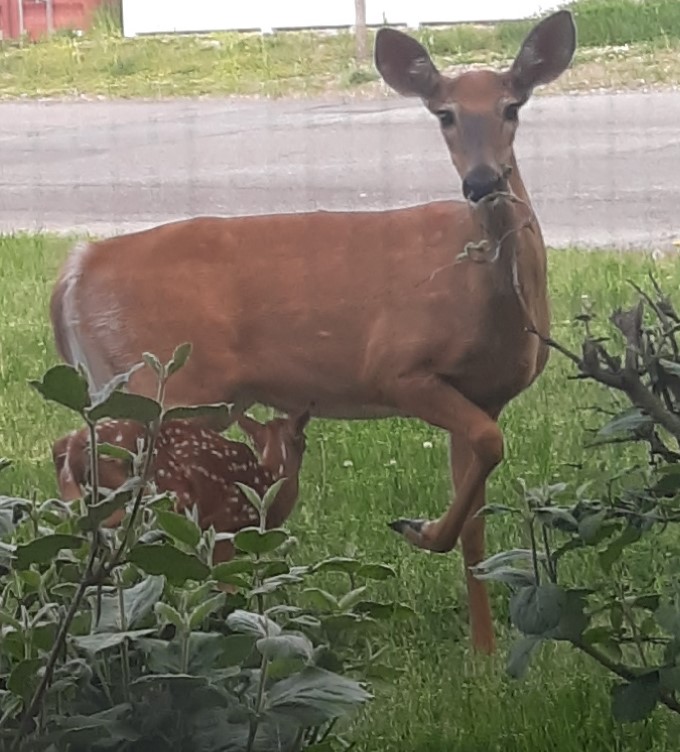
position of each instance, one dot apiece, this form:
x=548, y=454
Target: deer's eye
x=446, y=118
x=511, y=112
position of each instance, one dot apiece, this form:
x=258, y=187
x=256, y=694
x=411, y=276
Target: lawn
x=623, y=44
x=357, y=476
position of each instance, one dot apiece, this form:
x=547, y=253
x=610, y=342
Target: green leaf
x=24, y=677
x=229, y=568
x=251, y=623
x=315, y=696
x=272, y=584
x=126, y=406
x=179, y=527
x=612, y=553
x=573, y=621
x=253, y=541
x=669, y=678
x=286, y=645
x=320, y=599
x=179, y=358
x=669, y=481
x=165, y=559
x=635, y=701
x=597, y=635
x=338, y=564
x=271, y=493
x=376, y=571
x=117, y=382
x=117, y=499
x=65, y=386
x=507, y=557
x=590, y=525
x=220, y=411
x=252, y=496
x=536, y=609
x=558, y=518
x=670, y=366
x=171, y=615
x=629, y=421
x=351, y=599
x=152, y=361
x=100, y=641
x=180, y=682
x=5, y=463
x=509, y=575
x=236, y=648
x=44, y=549
x=519, y=656
x=205, y=609
x=138, y=602
x=667, y=617
x=117, y=452
x=491, y=509
x=380, y=611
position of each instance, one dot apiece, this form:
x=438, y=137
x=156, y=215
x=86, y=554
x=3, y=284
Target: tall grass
x=359, y=475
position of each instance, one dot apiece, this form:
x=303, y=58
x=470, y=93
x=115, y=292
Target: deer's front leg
x=474, y=433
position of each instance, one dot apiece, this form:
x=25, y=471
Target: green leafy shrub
x=631, y=628
x=125, y=638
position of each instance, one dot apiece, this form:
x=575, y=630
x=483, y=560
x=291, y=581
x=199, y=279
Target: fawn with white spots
x=201, y=467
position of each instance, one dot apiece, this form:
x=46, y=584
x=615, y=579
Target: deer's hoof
x=412, y=530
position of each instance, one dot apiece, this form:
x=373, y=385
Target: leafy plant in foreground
x=631, y=631
x=126, y=639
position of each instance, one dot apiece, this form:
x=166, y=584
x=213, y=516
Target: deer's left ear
x=254, y=429
x=546, y=52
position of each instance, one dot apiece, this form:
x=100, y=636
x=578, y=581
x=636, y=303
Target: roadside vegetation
x=623, y=44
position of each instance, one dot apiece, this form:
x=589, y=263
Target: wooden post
x=20, y=8
x=360, y=32
x=49, y=11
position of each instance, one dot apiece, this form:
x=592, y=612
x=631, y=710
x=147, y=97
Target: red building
x=38, y=18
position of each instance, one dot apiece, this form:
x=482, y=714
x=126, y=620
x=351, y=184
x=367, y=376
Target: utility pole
x=360, y=32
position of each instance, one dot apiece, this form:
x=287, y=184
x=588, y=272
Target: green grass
x=448, y=699
x=301, y=63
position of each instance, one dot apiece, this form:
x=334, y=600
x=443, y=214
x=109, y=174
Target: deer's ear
x=254, y=429
x=301, y=422
x=546, y=52
x=404, y=64
x=59, y=452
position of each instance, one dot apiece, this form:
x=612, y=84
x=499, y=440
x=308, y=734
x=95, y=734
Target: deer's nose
x=480, y=182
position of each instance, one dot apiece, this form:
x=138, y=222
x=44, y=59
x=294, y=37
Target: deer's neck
x=510, y=229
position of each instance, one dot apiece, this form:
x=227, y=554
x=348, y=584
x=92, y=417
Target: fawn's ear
x=59, y=452
x=254, y=429
x=301, y=422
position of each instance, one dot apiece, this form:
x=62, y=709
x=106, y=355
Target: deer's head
x=280, y=442
x=478, y=110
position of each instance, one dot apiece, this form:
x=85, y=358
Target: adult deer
x=199, y=466
x=365, y=314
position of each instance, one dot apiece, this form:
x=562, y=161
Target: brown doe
x=365, y=314
x=199, y=466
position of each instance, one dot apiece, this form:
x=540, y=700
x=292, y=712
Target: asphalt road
x=602, y=170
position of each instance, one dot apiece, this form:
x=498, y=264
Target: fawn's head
x=478, y=110
x=280, y=442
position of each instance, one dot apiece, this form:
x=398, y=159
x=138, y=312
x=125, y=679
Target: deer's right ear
x=404, y=64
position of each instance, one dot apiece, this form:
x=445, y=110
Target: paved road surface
x=602, y=170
